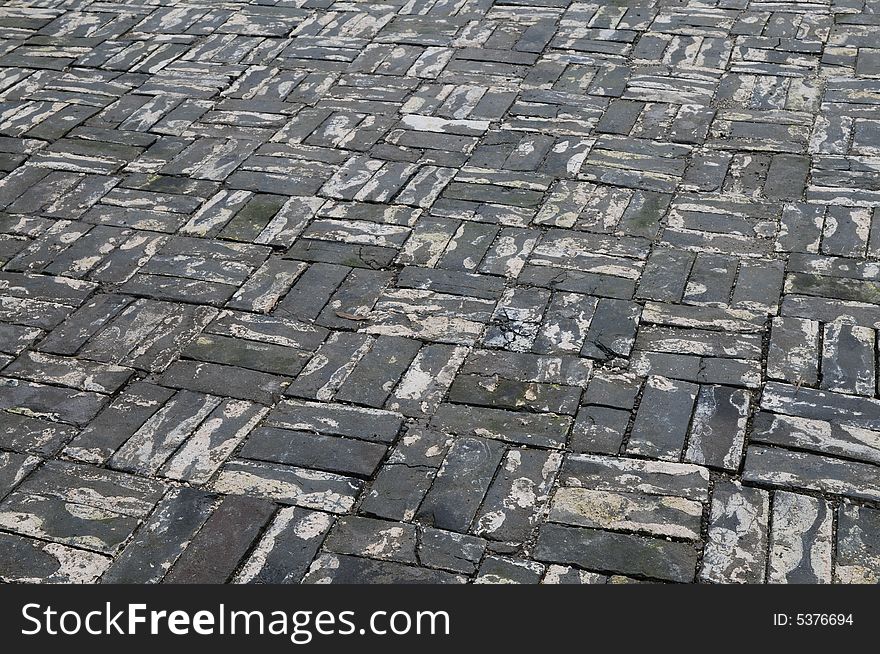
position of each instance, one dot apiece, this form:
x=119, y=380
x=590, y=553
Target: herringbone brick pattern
x=439, y=291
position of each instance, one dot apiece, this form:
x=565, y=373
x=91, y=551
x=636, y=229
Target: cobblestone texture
x=511, y=291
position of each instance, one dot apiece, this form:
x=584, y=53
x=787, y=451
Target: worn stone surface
x=520, y=291
x=627, y=553
x=663, y=516
x=738, y=531
x=800, y=540
x=858, y=552
x=287, y=548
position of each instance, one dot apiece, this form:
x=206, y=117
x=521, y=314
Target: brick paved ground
x=440, y=290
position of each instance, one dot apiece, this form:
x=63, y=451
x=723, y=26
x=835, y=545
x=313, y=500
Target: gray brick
x=450, y=504
x=604, y=551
